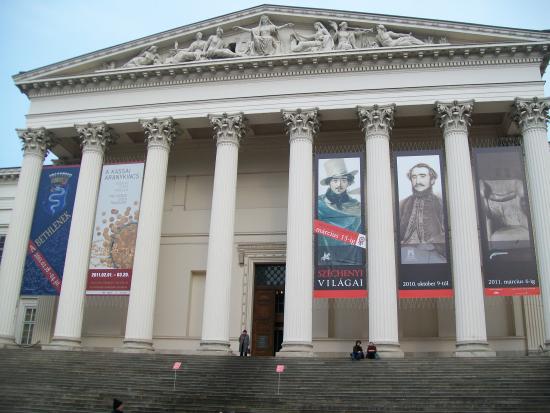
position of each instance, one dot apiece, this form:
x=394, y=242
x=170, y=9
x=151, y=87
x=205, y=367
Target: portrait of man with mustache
x=422, y=227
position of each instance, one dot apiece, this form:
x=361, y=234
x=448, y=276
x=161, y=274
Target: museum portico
x=219, y=218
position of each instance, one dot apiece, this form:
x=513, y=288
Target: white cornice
x=516, y=35
x=298, y=64
x=9, y=174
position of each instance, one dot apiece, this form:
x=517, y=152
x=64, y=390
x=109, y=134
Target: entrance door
x=268, y=309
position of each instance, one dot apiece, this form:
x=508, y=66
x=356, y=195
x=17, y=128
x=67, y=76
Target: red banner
x=340, y=234
x=507, y=292
x=109, y=282
x=44, y=267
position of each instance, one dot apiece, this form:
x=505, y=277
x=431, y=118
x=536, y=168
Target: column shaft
x=215, y=325
x=70, y=311
x=297, y=335
x=377, y=123
x=141, y=306
x=532, y=116
x=15, y=247
x=471, y=335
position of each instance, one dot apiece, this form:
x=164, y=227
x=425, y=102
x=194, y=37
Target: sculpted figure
x=265, y=37
x=344, y=36
x=215, y=47
x=388, y=38
x=148, y=57
x=195, y=51
x=321, y=40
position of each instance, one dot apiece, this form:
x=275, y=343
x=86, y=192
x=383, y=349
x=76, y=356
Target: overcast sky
x=35, y=33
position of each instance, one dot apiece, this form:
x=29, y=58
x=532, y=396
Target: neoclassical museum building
x=313, y=176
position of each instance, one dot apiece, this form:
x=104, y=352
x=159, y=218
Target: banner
x=424, y=269
x=509, y=263
x=115, y=231
x=51, y=223
x=340, y=240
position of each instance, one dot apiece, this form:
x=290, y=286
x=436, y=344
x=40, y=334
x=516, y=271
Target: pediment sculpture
x=265, y=41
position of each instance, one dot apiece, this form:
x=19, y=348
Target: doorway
x=268, y=309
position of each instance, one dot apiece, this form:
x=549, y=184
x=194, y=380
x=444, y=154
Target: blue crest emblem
x=59, y=182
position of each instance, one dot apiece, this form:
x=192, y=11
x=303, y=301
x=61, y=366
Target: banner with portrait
x=509, y=262
x=115, y=230
x=339, y=227
x=423, y=246
x=43, y=272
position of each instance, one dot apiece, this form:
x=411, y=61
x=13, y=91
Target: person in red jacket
x=371, y=351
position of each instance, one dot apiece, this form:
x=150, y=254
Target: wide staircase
x=38, y=381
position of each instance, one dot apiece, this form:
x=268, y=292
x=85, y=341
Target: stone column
x=377, y=123
x=471, y=333
x=301, y=127
x=160, y=134
x=228, y=131
x=68, y=326
x=532, y=115
x=36, y=143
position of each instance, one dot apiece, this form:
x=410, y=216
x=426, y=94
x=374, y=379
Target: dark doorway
x=268, y=309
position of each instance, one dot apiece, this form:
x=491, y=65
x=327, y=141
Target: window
x=28, y=325
x=2, y=240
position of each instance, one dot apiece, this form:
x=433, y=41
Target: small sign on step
x=280, y=368
x=176, y=365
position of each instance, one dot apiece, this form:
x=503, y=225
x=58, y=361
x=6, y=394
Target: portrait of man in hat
x=339, y=205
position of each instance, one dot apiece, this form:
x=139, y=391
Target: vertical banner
x=424, y=269
x=340, y=241
x=509, y=263
x=115, y=230
x=50, y=231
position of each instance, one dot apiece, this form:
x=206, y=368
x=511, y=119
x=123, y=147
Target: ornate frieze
x=352, y=61
x=36, y=141
x=454, y=115
x=95, y=136
x=265, y=40
x=531, y=113
x=376, y=119
x=159, y=132
x=228, y=128
x=301, y=124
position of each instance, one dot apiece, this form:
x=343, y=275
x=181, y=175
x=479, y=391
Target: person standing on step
x=371, y=351
x=357, y=352
x=244, y=343
x=118, y=406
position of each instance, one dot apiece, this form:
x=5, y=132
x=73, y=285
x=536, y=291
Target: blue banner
x=50, y=231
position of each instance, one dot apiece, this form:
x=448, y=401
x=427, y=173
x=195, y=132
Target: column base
x=296, y=349
x=136, y=346
x=389, y=350
x=64, y=344
x=7, y=342
x=474, y=349
x=214, y=348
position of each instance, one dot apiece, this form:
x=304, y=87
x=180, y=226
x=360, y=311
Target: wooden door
x=263, y=322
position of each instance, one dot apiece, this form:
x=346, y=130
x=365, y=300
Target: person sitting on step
x=371, y=351
x=357, y=352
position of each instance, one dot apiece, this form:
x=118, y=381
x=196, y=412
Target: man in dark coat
x=244, y=343
x=421, y=223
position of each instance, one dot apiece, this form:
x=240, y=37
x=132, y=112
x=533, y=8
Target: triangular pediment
x=285, y=32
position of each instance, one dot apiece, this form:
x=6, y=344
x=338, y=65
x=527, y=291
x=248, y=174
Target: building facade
x=225, y=239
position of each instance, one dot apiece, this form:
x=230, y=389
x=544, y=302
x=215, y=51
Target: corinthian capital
x=36, y=141
x=228, y=128
x=95, y=136
x=531, y=113
x=376, y=119
x=301, y=124
x=455, y=115
x=159, y=132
